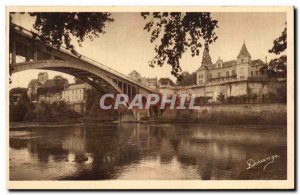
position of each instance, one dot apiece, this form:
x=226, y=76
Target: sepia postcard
x=150, y=98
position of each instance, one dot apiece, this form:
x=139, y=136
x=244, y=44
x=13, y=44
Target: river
x=142, y=151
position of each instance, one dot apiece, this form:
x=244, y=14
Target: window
x=256, y=73
x=242, y=61
x=242, y=77
x=241, y=70
x=233, y=72
x=200, y=76
x=252, y=73
x=210, y=76
x=219, y=74
x=227, y=73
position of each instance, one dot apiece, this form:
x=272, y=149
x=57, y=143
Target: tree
x=221, y=98
x=277, y=66
x=92, y=107
x=187, y=79
x=57, y=28
x=280, y=43
x=19, y=104
x=180, y=31
x=58, y=85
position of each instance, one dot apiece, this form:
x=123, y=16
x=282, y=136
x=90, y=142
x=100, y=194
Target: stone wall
x=235, y=88
x=230, y=114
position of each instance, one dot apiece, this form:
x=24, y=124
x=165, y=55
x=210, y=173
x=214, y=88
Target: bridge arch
x=40, y=55
x=88, y=73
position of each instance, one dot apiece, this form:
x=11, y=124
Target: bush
x=221, y=98
x=30, y=116
x=45, y=112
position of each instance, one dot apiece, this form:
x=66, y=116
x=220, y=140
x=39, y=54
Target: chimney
x=266, y=61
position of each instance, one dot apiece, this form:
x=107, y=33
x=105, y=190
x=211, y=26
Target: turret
x=206, y=59
x=202, y=73
x=243, y=63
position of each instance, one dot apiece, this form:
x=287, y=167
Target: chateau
x=242, y=68
x=241, y=76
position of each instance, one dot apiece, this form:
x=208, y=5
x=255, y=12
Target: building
x=239, y=69
x=35, y=84
x=241, y=76
x=75, y=95
x=135, y=76
x=150, y=82
x=45, y=89
x=49, y=98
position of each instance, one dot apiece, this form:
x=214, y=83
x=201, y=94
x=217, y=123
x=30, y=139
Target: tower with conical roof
x=243, y=63
x=206, y=59
x=202, y=73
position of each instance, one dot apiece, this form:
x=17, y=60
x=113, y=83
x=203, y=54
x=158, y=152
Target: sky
x=126, y=46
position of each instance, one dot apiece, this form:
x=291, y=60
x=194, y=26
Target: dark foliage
x=60, y=28
x=179, y=32
x=187, y=79
x=21, y=109
x=94, y=111
x=277, y=67
x=19, y=104
x=58, y=85
x=47, y=112
x=221, y=98
x=280, y=43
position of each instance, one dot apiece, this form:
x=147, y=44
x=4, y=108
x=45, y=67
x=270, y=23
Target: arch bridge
x=39, y=55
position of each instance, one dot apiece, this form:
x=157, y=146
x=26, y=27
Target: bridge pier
x=133, y=116
x=14, y=52
x=137, y=115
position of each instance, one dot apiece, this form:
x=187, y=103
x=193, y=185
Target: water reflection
x=137, y=151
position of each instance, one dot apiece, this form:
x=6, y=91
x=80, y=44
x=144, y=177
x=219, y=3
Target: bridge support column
x=136, y=115
x=14, y=52
x=133, y=116
x=28, y=55
x=35, y=55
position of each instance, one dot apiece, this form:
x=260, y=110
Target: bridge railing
x=63, y=49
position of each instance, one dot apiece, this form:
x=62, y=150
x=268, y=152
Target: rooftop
x=244, y=52
x=78, y=86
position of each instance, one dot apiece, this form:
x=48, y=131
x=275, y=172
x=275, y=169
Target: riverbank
x=273, y=114
x=228, y=114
